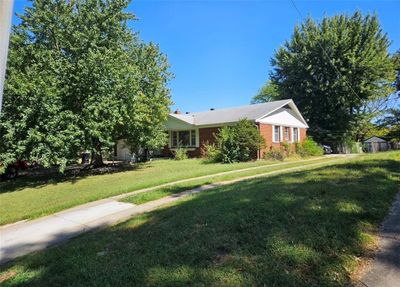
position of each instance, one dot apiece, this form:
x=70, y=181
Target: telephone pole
x=6, y=8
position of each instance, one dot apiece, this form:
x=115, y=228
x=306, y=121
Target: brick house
x=277, y=122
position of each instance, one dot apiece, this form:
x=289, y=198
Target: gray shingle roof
x=230, y=115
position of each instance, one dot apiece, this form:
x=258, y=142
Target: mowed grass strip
x=30, y=198
x=158, y=193
x=305, y=228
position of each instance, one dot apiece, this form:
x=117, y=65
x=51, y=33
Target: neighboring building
x=375, y=144
x=278, y=122
x=122, y=152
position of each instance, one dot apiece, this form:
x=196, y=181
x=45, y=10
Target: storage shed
x=375, y=144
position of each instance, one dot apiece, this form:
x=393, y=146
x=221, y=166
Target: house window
x=295, y=135
x=193, y=138
x=183, y=138
x=174, y=139
x=286, y=134
x=277, y=134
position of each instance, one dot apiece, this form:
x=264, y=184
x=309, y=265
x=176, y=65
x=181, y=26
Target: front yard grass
x=144, y=197
x=304, y=228
x=31, y=198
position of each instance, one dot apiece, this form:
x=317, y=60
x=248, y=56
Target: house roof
x=230, y=115
x=375, y=139
x=187, y=118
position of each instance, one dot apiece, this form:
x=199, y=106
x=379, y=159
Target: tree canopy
x=391, y=125
x=338, y=72
x=79, y=79
x=267, y=93
x=396, y=61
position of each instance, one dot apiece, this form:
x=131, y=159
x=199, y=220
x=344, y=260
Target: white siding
x=175, y=124
x=283, y=117
x=123, y=153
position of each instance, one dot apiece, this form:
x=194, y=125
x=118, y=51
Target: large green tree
x=396, y=61
x=79, y=79
x=338, y=72
x=268, y=92
x=391, y=124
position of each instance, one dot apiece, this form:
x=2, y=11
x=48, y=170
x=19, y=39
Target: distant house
x=277, y=122
x=375, y=144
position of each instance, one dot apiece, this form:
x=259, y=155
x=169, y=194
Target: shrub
x=239, y=142
x=180, y=154
x=350, y=146
x=288, y=149
x=211, y=153
x=227, y=146
x=355, y=147
x=275, y=154
x=309, y=147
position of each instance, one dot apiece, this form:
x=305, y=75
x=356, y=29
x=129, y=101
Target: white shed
x=122, y=152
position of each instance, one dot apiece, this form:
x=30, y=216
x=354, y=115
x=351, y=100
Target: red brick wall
x=303, y=134
x=206, y=135
x=266, y=132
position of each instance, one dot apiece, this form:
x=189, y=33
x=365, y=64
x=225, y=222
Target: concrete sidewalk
x=25, y=237
x=385, y=268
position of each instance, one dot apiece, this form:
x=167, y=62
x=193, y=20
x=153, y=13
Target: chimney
x=177, y=112
x=212, y=109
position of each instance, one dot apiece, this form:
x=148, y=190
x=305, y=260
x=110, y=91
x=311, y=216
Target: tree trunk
x=97, y=159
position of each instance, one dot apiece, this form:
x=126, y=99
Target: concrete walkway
x=385, y=268
x=28, y=236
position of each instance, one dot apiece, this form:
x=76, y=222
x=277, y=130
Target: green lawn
x=305, y=228
x=31, y=198
x=179, y=187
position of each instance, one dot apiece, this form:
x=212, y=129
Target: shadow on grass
x=299, y=229
x=37, y=177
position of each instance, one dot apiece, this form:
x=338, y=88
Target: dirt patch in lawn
x=7, y=275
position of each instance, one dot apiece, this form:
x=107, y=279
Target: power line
x=326, y=54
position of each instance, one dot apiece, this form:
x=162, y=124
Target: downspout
x=258, y=151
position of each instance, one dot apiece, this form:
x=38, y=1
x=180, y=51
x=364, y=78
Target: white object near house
x=122, y=151
x=375, y=144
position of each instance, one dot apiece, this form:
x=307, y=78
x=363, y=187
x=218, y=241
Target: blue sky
x=219, y=51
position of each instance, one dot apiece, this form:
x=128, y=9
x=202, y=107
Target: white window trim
x=286, y=128
x=298, y=134
x=292, y=131
x=185, y=147
x=273, y=134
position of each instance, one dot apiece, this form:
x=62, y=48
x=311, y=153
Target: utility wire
x=326, y=54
